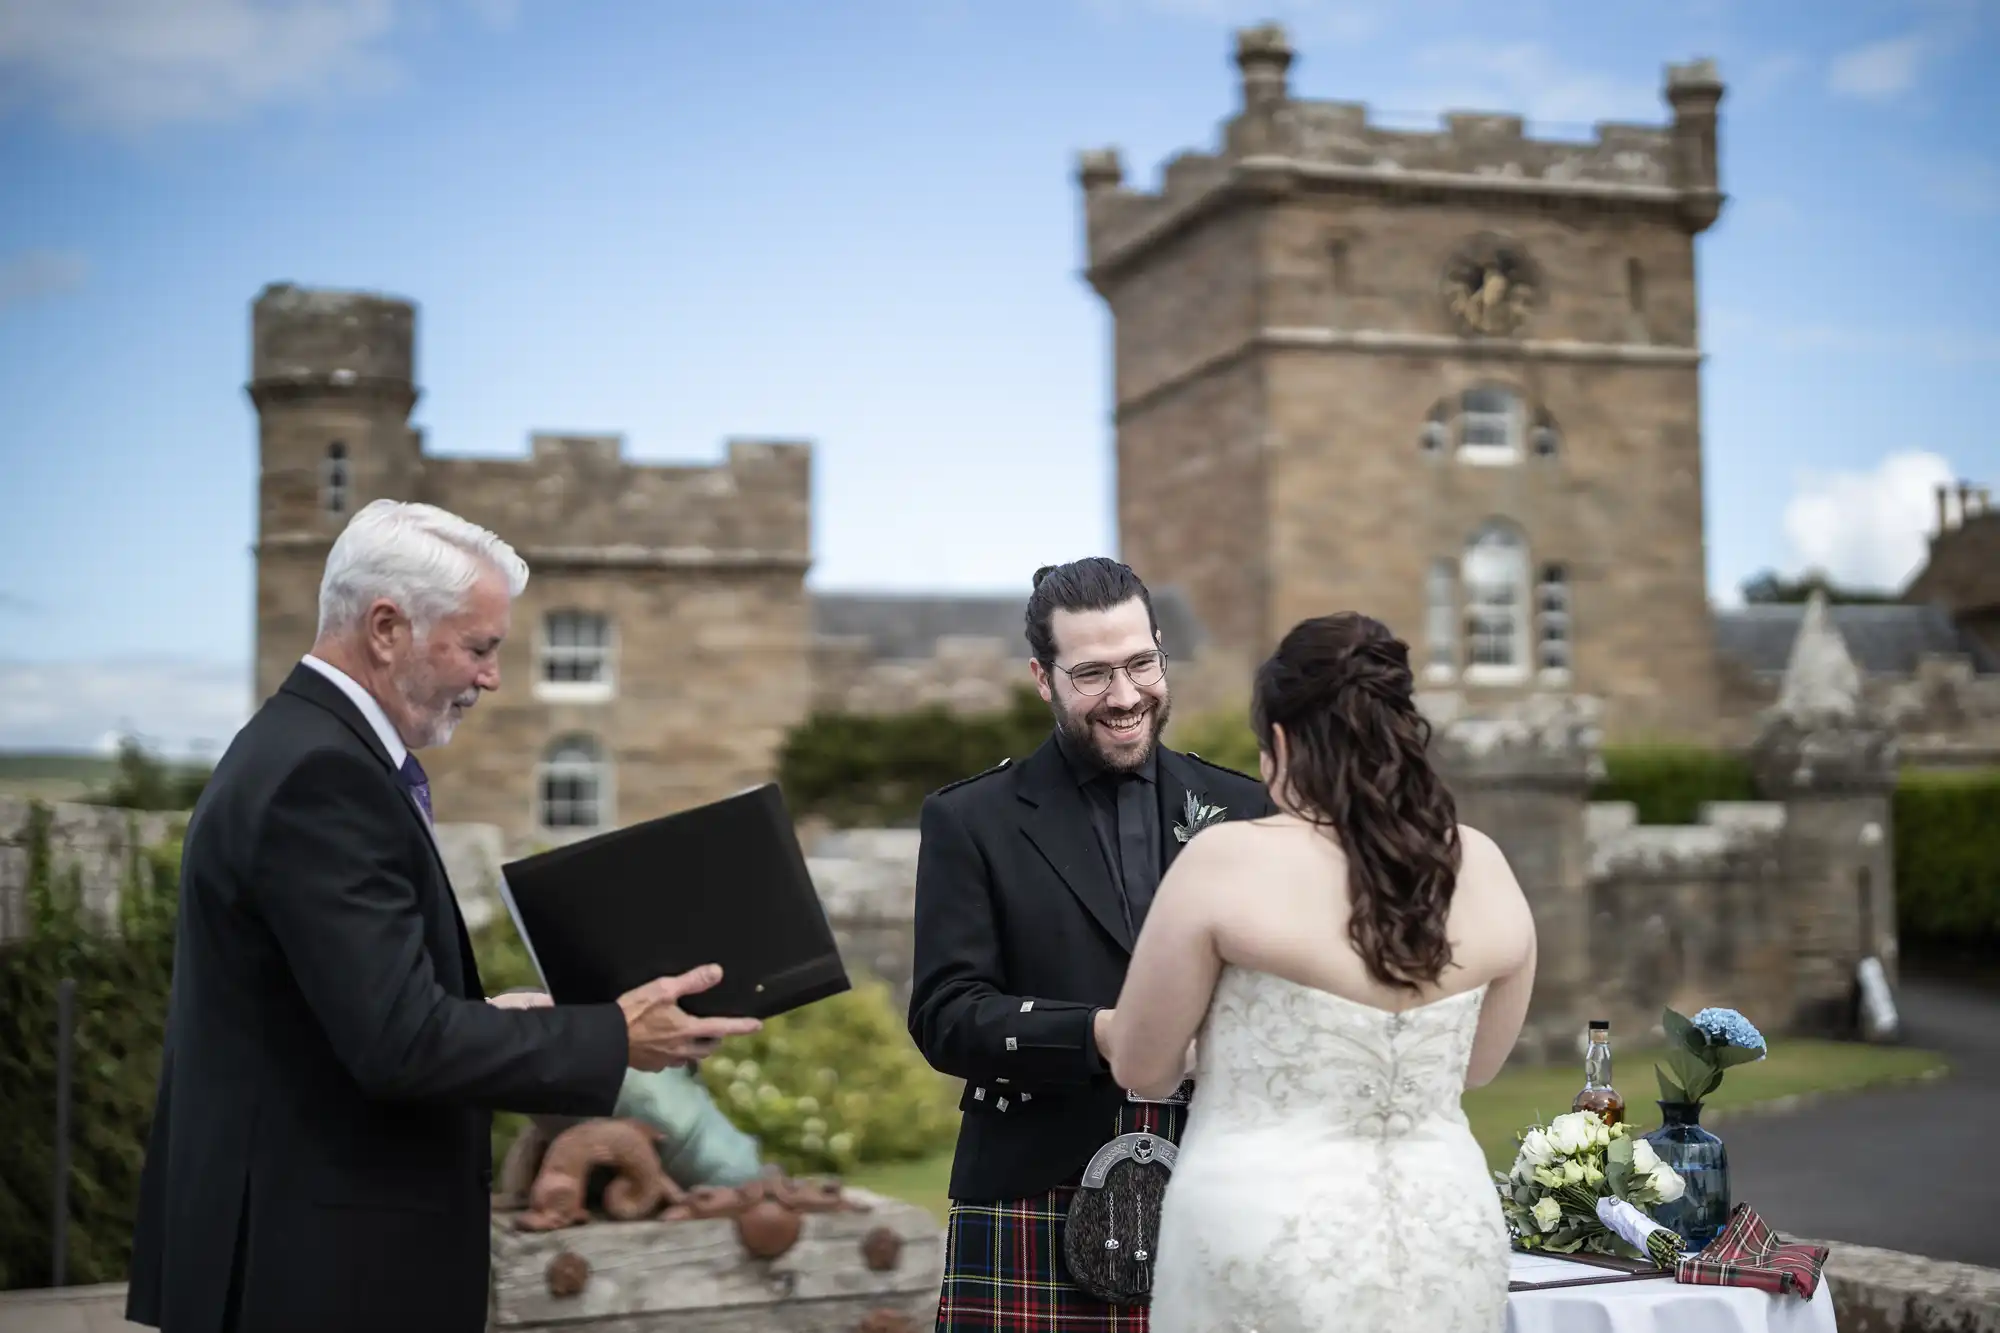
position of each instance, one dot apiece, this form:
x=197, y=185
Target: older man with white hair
x=319, y=1155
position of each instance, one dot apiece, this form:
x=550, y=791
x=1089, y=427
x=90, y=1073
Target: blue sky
x=856, y=223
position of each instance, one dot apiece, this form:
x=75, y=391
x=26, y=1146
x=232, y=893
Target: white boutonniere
x=1197, y=815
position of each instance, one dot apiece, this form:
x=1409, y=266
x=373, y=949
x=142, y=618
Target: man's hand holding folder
x=662, y=1035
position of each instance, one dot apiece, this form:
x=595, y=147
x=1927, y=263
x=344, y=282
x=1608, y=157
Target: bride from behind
x=1346, y=968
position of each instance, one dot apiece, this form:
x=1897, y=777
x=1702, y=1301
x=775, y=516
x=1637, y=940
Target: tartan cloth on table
x=1749, y=1254
x=1003, y=1262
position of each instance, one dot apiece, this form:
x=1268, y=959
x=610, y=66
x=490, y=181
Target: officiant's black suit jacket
x=1021, y=937
x=319, y=1151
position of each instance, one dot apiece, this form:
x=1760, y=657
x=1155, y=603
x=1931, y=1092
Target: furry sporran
x=1112, y=1229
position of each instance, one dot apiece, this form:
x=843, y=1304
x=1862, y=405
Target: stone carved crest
x=1490, y=286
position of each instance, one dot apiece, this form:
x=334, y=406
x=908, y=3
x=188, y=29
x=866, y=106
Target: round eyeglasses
x=1094, y=678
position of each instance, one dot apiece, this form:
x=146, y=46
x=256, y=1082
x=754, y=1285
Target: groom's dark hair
x=1097, y=583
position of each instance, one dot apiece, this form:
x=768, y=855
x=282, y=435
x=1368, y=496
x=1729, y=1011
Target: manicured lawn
x=1520, y=1097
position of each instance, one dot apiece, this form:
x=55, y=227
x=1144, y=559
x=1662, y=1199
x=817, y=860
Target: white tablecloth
x=1659, y=1305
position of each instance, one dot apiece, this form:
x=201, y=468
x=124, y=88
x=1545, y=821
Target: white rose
x=1572, y=1171
x=1644, y=1159
x=1535, y=1149
x=1600, y=1133
x=1667, y=1183
x=1569, y=1133
x=1547, y=1213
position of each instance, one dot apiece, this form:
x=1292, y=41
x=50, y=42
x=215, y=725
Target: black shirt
x=1125, y=812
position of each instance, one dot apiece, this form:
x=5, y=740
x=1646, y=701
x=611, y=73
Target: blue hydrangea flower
x=1726, y=1027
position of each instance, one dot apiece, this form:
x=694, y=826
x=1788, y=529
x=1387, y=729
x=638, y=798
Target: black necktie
x=418, y=785
x=1133, y=793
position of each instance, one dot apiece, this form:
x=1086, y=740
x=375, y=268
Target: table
x=1655, y=1305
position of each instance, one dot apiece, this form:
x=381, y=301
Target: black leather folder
x=721, y=883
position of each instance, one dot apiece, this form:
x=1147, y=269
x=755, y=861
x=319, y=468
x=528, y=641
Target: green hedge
x=121, y=1009
x=1948, y=861
x=1670, y=783
x=856, y=769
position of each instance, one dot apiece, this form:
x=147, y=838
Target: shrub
x=832, y=1086
x=1947, y=830
x=835, y=1085
x=122, y=982
x=1669, y=783
x=1222, y=736
x=859, y=769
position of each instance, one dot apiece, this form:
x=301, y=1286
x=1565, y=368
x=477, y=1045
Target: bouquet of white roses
x=1563, y=1169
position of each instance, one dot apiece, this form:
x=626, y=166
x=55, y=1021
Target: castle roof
x=1883, y=639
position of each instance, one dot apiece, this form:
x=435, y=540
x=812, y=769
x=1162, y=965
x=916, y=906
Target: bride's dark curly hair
x=1355, y=761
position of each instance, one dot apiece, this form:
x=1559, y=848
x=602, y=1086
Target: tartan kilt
x=1003, y=1262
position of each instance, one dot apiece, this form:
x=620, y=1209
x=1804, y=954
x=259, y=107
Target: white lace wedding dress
x=1326, y=1178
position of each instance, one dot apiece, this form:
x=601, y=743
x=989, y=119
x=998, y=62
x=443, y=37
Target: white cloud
x=1867, y=529
x=176, y=705
x=132, y=64
x=1526, y=78
x=1880, y=70
x=35, y=274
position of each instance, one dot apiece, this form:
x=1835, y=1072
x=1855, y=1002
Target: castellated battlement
x=577, y=501
x=303, y=337
x=333, y=375
x=1277, y=145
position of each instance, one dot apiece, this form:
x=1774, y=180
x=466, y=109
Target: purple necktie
x=412, y=774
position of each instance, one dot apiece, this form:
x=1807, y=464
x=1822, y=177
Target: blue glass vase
x=1702, y=1162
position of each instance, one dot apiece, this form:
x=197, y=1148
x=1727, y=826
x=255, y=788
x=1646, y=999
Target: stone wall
x=96, y=843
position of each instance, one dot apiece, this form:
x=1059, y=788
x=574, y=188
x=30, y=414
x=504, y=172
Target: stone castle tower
x=1451, y=379
x=663, y=646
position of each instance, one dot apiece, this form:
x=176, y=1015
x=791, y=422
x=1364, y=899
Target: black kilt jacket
x=1021, y=937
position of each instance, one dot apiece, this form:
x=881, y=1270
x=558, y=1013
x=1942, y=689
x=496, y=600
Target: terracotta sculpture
x=637, y=1189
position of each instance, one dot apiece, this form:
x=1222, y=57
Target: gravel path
x=1913, y=1168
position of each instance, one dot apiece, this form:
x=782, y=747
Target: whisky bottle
x=1598, y=1095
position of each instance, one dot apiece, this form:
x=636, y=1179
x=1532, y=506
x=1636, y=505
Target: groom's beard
x=1076, y=729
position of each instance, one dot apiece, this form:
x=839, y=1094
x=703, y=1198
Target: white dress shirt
x=370, y=708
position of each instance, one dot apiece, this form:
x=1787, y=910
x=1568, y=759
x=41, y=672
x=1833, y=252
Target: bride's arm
x=1503, y=915
x=1173, y=972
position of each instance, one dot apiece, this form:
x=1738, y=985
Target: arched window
x=1552, y=610
x=333, y=479
x=1494, y=570
x=575, y=653
x=1489, y=425
x=574, y=786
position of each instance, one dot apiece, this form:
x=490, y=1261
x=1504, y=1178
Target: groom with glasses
x=1033, y=882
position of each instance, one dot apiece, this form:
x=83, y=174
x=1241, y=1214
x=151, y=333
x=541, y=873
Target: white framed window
x=1441, y=621
x=575, y=658
x=573, y=786
x=1494, y=570
x=334, y=481
x=1489, y=425
x=1552, y=609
